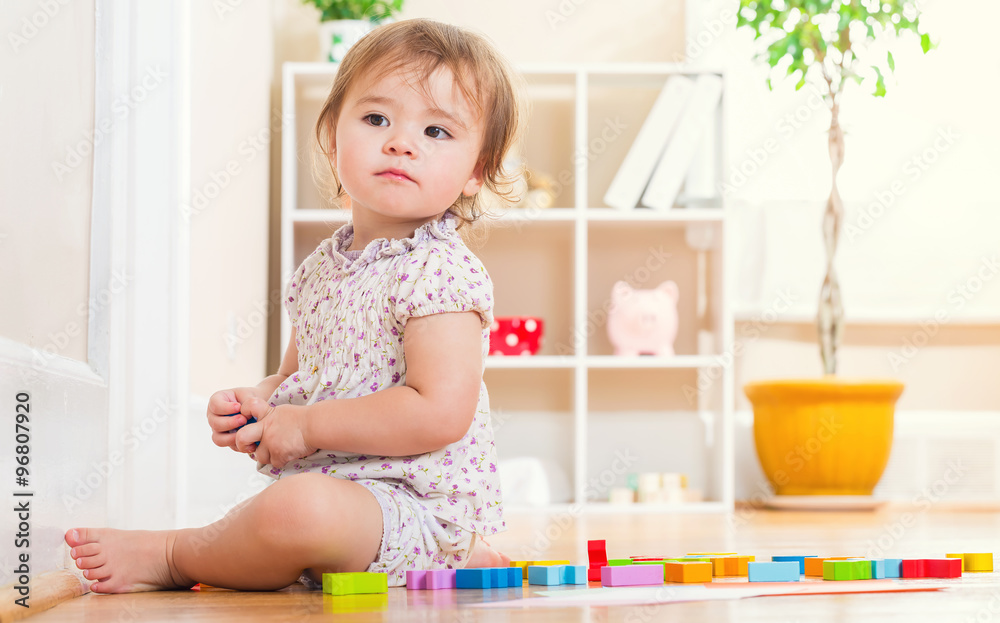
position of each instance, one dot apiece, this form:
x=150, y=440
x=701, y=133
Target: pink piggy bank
x=643, y=322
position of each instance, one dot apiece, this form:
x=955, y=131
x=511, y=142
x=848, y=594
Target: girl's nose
x=399, y=144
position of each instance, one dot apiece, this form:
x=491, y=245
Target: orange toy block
x=814, y=566
x=736, y=566
x=688, y=572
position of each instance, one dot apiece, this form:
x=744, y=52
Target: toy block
x=445, y=578
x=473, y=578
x=974, y=562
x=814, y=566
x=687, y=572
x=943, y=567
x=847, y=570
x=878, y=569
x=619, y=562
x=662, y=563
x=735, y=566
x=523, y=566
x=913, y=569
x=498, y=577
x=799, y=559
x=631, y=575
x=546, y=575
x=416, y=580
x=893, y=567
x=712, y=554
x=355, y=583
x=977, y=563
x=773, y=571
x=594, y=574
x=574, y=574
x=597, y=552
x=646, y=559
x=514, y=578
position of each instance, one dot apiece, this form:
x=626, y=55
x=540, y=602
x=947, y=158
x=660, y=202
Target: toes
x=81, y=536
x=82, y=551
x=100, y=573
x=92, y=562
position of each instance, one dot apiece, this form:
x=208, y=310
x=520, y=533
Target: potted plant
x=829, y=436
x=343, y=22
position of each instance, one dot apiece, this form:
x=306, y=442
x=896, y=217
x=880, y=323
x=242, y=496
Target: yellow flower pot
x=823, y=437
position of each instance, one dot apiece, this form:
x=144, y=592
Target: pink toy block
x=440, y=578
x=416, y=580
x=632, y=575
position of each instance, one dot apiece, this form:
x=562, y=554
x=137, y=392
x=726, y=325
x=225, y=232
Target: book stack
x=674, y=144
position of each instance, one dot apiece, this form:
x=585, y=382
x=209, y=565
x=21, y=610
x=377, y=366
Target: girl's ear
x=475, y=182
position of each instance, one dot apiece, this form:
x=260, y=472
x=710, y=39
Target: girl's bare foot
x=483, y=555
x=126, y=561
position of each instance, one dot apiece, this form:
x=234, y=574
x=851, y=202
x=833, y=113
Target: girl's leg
x=307, y=520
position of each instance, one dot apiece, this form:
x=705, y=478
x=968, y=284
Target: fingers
x=248, y=437
x=223, y=403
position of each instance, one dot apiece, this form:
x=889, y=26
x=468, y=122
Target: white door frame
x=140, y=236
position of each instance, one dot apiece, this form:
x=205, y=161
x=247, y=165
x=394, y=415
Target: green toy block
x=355, y=583
x=619, y=562
x=853, y=569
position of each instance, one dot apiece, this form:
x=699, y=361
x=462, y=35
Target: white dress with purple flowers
x=350, y=315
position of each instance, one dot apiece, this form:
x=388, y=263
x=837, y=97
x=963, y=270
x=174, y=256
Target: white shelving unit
x=557, y=264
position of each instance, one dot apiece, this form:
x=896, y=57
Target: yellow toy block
x=975, y=563
x=688, y=572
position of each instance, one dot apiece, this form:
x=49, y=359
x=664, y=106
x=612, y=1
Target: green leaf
x=879, y=83
x=891, y=61
x=925, y=42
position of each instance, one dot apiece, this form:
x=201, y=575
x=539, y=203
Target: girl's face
x=405, y=155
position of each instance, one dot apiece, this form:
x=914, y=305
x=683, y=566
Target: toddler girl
x=377, y=425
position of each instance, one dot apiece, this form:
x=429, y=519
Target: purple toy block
x=416, y=580
x=440, y=578
x=632, y=575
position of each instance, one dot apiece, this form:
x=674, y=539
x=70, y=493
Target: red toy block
x=597, y=556
x=913, y=569
x=943, y=567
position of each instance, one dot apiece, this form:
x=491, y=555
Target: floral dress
x=350, y=315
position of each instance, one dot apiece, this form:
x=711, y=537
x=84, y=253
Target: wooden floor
x=899, y=532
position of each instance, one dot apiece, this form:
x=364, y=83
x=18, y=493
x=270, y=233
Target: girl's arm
x=444, y=371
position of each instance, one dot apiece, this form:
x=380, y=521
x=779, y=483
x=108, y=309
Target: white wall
x=46, y=173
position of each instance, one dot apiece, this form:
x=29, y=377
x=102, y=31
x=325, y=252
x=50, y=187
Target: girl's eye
x=436, y=132
x=377, y=120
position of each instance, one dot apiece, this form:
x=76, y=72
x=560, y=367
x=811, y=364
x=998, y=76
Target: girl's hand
x=221, y=407
x=279, y=431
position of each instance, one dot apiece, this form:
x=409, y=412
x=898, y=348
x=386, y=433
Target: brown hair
x=418, y=47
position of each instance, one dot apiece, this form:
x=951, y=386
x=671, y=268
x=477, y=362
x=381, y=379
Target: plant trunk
x=830, y=317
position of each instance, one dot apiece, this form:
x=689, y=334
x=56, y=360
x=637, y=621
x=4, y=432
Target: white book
x=692, y=128
x=634, y=172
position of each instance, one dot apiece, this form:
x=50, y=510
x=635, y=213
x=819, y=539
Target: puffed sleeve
x=440, y=278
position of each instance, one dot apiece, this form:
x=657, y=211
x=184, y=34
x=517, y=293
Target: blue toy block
x=893, y=567
x=546, y=575
x=515, y=577
x=473, y=578
x=799, y=559
x=773, y=571
x=574, y=574
x=878, y=569
x=498, y=577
